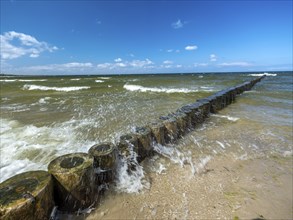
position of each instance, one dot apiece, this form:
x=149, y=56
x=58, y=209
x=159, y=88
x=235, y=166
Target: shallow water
x=44, y=117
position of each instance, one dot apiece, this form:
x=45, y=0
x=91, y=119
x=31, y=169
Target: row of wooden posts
x=75, y=181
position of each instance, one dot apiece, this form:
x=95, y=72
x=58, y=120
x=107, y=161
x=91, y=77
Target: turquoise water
x=45, y=117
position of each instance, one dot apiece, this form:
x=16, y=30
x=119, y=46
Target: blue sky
x=114, y=37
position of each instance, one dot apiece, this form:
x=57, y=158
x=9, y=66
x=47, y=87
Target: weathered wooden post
x=182, y=123
x=171, y=126
x=126, y=142
x=27, y=196
x=205, y=107
x=158, y=131
x=74, y=181
x=145, y=143
x=105, y=162
x=128, y=151
x=189, y=116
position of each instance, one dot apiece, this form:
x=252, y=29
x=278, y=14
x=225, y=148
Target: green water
x=44, y=117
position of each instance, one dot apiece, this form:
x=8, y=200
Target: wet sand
x=225, y=188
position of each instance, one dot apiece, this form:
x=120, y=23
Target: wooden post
x=27, y=196
x=105, y=162
x=74, y=181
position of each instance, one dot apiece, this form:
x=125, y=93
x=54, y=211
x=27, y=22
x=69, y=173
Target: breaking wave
x=59, y=89
x=7, y=80
x=99, y=81
x=153, y=89
x=263, y=74
x=23, y=146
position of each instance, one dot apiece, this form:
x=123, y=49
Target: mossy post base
x=158, y=132
x=128, y=150
x=105, y=162
x=74, y=181
x=170, y=124
x=27, y=196
x=128, y=143
x=145, y=145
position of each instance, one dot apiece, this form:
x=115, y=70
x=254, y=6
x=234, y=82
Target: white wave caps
x=263, y=74
x=154, y=89
x=99, y=81
x=23, y=80
x=59, y=89
x=23, y=146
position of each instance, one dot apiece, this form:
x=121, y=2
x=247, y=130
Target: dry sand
x=225, y=189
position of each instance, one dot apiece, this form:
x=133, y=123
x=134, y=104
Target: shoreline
x=258, y=188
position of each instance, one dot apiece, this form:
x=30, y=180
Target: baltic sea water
x=44, y=117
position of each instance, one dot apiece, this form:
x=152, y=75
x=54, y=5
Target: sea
x=43, y=117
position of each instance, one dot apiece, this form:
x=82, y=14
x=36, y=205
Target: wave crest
x=153, y=89
x=263, y=74
x=59, y=89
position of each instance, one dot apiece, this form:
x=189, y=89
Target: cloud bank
x=14, y=45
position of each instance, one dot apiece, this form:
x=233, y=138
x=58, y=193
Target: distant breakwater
x=75, y=182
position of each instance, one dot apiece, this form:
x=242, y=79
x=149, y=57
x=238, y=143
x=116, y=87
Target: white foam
x=176, y=156
x=19, y=166
x=44, y=100
x=131, y=178
x=59, y=89
x=207, y=89
x=203, y=162
x=32, y=80
x=161, y=168
x=287, y=153
x=154, y=89
x=23, y=146
x=15, y=107
x=77, y=79
x=221, y=144
x=230, y=118
x=8, y=80
x=99, y=81
x=105, y=77
x=263, y=74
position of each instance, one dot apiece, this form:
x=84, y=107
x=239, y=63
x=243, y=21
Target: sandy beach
x=258, y=188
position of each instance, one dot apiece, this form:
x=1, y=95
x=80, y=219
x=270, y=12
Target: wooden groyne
x=76, y=181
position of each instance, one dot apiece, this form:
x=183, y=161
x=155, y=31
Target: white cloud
x=134, y=63
x=239, y=64
x=121, y=64
x=76, y=65
x=61, y=67
x=104, y=65
x=14, y=45
x=167, y=62
x=179, y=66
x=200, y=64
x=191, y=47
x=118, y=60
x=170, y=50
x=140, y=63
x=213, y=57
x=178, y=24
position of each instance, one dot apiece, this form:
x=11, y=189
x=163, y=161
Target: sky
x=130, y=37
